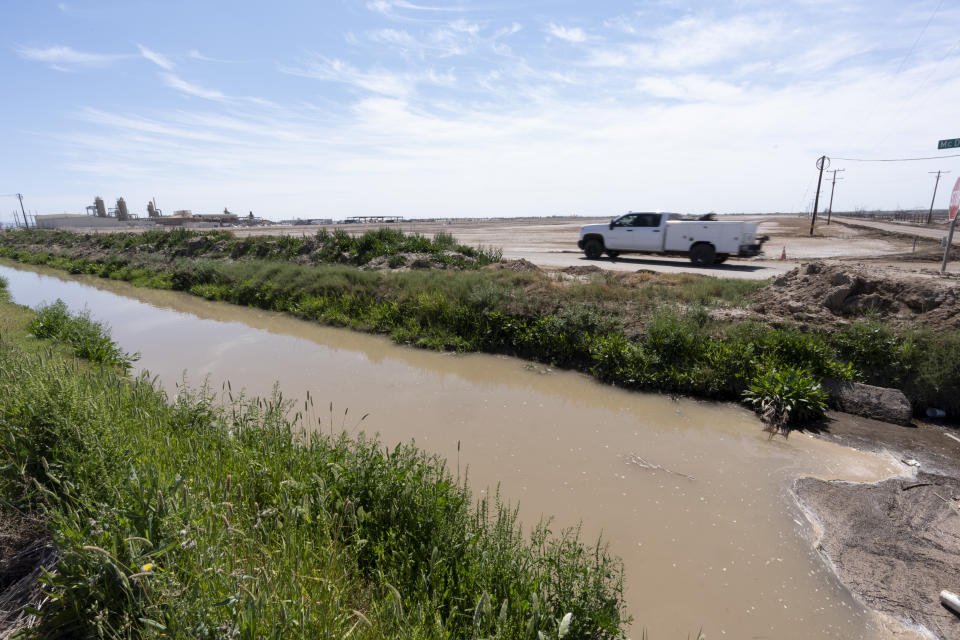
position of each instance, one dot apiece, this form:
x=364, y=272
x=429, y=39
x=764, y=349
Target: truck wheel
x=721, y=258
x=613, y=254
x=593, y=249
x=702, y=254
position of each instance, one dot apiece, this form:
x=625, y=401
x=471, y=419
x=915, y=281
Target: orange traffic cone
x=783, y=254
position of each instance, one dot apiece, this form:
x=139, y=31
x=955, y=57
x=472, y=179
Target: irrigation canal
x=725, y=550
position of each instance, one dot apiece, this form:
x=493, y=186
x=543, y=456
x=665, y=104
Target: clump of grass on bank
x=198, y=518
x=786, y=397
x=90, y=339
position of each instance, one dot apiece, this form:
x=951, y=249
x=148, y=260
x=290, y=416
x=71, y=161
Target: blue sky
x=460, y=108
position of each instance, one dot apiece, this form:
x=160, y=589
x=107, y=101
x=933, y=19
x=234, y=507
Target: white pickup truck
x=706, y=241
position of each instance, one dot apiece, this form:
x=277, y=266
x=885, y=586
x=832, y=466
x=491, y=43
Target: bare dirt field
x=551, y=243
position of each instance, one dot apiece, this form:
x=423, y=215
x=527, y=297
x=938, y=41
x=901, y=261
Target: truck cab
x=636, y=232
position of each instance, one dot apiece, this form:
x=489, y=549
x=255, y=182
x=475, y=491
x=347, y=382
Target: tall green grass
x=88, y=338
x=208, y=517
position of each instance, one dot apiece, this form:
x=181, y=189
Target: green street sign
x=949, y=144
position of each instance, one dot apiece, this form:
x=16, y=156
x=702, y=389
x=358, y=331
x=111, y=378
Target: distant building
x=77, y=221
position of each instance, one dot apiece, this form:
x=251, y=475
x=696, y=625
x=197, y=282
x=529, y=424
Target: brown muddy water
x=726, y=550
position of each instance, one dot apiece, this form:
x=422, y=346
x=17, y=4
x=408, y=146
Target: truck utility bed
x=728, y=237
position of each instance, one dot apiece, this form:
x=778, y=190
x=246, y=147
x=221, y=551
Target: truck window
x=647, y=220
x=629, y=220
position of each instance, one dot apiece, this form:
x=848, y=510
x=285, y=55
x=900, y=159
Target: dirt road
x=934, y=232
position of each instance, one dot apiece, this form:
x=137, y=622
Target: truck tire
x=702, y=254
x=593, y=249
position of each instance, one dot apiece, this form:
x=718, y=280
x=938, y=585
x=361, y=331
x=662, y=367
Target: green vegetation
x=786, y=396
x=89, y=339
x=338, y=247
x=635, y=330
x=203, y=519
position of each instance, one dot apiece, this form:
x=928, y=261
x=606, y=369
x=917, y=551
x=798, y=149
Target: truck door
x=622, y=230
x=648, y=232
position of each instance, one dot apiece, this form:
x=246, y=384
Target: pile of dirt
x=520, y=265
x=896, y=543
x=836, y=293
x=582, y=270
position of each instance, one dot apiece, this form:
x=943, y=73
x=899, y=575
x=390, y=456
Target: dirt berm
x=836, y=293
x=896, y=543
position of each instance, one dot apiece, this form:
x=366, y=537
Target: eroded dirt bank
x=824, y=294
x=896, y=543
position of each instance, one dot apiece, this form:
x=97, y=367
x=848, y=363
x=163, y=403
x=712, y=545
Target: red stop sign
x=955, y=200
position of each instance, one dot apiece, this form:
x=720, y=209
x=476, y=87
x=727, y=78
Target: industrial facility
x=98, y=216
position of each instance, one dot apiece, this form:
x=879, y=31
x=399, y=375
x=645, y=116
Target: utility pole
x=832, y=187
x=822, y=163
x=25, y=223
x=935, y=184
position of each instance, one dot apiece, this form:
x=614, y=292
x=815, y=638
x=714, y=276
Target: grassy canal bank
x=189, y=517
x=658, y=332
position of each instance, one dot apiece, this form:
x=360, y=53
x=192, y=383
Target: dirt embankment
x=896, y=543
x=822, y=293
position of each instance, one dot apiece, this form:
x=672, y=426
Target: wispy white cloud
x=397, y=37
x=65, y=57
x=691, y=88
x=507, y=31
x=387, y=83
x=196, y=55
x=570, y=34
x=465, y=27
x=158, y=59
x=626, y=24
x=385, y=6
x=688, y=43
x=176, y=82
x=823, y=55
x=455, y=39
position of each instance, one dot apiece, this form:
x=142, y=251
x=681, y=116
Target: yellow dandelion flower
x=147, y=568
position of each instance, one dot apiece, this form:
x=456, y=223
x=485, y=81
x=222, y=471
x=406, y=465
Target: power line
x=954, y=155
x=915, y=94
x=915, y=42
